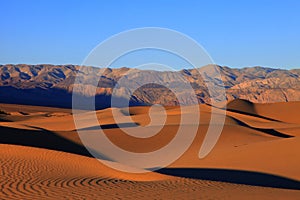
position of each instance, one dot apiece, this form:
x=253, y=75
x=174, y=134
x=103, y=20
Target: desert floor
x=256, y=156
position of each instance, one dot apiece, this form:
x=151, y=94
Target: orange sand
x=42, y=156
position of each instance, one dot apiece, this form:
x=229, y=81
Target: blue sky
x=234, y=33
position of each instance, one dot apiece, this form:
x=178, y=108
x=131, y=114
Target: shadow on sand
x=234, y=176
x=43, y=139
x=110, y=126
x=264, y=130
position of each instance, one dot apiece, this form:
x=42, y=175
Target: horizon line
x=183, y=68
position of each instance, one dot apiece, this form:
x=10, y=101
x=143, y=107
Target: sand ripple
x=33, y=173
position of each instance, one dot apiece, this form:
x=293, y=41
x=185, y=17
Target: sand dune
x=256, y=156
x=32, y=173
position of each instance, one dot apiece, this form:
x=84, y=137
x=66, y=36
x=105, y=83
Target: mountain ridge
x=52, y=85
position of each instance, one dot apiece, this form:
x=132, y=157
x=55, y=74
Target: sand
x=256, y=157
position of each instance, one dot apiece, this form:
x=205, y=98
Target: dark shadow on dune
x=110, y=126
x=267, y=131
x=244, y=107
x=253, y=115
x=234, y=176
x=3, y=119
x=43, y=139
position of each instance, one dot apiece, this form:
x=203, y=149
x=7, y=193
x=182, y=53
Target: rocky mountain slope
x=52, y=85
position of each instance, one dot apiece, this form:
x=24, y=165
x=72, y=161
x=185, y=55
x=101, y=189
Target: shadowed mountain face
x=52, y=85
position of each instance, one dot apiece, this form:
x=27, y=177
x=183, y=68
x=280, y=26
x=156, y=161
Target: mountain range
x=52, y=85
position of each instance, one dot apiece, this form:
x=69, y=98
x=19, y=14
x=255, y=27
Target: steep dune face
x=242, y=106
x=52, y=85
